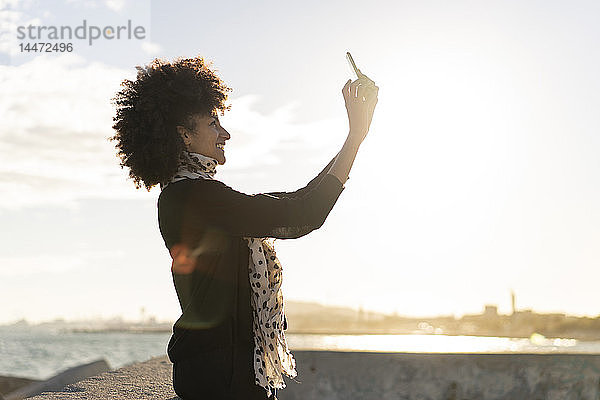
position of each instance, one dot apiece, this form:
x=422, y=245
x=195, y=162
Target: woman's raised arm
x=360, y=97
x=199, y=204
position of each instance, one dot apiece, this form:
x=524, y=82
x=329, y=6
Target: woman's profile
x=229, y=342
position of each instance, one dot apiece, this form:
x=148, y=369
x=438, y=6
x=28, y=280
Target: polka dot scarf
x=193, y=166
x=272, y=357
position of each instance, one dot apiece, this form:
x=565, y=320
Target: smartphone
x=359, y=74
x=353, y=65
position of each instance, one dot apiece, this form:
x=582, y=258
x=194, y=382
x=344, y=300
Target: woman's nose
x=225, y=134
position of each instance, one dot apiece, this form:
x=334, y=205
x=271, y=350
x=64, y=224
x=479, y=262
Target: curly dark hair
x=164, y=95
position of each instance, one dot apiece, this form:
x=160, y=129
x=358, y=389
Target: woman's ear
x=183, y=132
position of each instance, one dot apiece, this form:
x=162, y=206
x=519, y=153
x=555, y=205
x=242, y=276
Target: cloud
x=13, y=14
x=257, y=135
x=151, y=48
x=4, y=4
x=115, y=5
x=84, y=3
x=268, y=148
x=57, y=117
x=32, y=265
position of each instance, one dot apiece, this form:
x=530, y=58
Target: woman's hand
x=360, y=97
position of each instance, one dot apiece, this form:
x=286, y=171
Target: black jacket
x=203, y=223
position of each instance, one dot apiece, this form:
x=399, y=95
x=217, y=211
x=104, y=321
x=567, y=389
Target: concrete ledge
x=151, y=379
x=59, y=381
x=328, y=375
x=11, y=383
x=338, y=375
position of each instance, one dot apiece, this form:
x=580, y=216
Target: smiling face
x=206, y=136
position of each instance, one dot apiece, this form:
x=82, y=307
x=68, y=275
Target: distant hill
x=312, y=317
x=296, y=308
x=309, y=317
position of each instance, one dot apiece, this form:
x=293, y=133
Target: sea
x=40, y=353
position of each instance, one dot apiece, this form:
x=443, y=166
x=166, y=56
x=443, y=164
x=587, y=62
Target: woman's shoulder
x=185, y=187
x=187, y=183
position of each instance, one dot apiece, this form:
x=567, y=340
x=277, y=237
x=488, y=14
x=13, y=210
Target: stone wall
x=328, y=375
x=340, y=375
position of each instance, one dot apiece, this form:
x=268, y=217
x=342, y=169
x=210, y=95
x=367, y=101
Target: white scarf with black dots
x=272, y=357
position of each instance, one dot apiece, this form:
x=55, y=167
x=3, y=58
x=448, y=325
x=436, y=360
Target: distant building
x=513, y=302
x=490, y=311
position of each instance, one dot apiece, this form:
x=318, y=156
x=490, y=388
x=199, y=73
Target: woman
x=229, y=342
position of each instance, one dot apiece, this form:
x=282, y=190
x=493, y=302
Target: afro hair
x=164, y=95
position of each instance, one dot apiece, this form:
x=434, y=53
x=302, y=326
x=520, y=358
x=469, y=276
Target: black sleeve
x=212, y=203
x=309, y=186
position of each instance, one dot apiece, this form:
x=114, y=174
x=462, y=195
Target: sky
x=479, y=174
